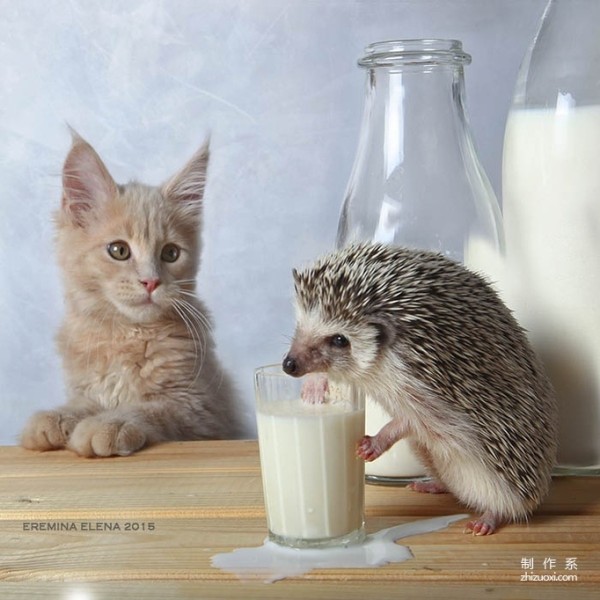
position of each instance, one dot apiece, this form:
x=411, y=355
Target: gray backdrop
x=276, y=84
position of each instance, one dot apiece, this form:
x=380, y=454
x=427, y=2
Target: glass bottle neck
x=417, y=110
x=562, y=75
x=416, y=179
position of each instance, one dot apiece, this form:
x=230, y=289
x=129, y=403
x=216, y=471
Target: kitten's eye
x=339, y=341
x=170, y=253
x=119, y=250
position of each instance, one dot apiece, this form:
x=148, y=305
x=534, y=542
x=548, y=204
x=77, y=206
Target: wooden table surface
x=146, y=526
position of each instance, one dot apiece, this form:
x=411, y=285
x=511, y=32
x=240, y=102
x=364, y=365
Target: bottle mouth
x=399, y=53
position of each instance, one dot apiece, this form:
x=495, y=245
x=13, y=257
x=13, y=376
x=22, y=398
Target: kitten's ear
x=86, y=181
x=187, y=186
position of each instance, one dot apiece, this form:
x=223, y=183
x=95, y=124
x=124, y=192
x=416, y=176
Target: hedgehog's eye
x=339, y=341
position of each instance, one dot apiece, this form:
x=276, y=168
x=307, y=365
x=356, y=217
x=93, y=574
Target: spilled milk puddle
x=272, y=562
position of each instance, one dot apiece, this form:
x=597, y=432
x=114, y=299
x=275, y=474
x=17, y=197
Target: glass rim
x=272, y=369
x=429, y=51
x=273, y=374
x=266, y=372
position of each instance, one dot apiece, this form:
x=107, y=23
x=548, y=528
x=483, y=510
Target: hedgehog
x=435, y=346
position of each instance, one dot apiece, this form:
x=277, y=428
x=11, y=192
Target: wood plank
x=174, y=457
x=182, y=549
x=292, y=590
x=143, y=495
x=58, y=514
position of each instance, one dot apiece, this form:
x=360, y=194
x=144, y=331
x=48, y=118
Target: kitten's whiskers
x=195, y=330
x=205, y=325
x=178, y=281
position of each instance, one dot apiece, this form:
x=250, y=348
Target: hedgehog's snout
x=305, y=355
x=290, y=365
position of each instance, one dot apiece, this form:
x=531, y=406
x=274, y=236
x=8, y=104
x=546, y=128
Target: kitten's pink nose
x=150, y=284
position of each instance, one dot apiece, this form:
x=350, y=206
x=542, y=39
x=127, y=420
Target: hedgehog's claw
x=372, y=447
x=484, y=525
x=368, y=448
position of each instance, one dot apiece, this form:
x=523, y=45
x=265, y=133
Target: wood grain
x=148, y=525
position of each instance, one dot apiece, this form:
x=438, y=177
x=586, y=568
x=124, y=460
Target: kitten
x=136, y=341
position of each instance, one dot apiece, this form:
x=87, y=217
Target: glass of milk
x=313, y=482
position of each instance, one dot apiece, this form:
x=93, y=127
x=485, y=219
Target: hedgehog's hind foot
x=484, y=525
x=432, y=486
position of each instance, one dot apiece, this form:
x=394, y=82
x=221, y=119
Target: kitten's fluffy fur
x=136, y=343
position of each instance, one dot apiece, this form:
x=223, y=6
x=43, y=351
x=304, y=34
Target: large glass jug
x=551, y=193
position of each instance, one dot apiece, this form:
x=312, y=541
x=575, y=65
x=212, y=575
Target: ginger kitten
x=136, y=341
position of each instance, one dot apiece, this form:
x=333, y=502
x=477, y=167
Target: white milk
x=551, y=189
x=272, y=562
x=397, y=462
x=484, y=258
x=313, y=481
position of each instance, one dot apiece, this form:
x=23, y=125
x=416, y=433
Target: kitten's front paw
x=48, y=430
x=97, y=436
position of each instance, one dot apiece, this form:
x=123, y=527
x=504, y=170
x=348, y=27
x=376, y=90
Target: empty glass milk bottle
x=551, y=190
x=417, y=181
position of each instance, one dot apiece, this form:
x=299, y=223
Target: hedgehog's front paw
x=314, y=388
x=98, y=436
x=369, y=449
x=48, y=430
